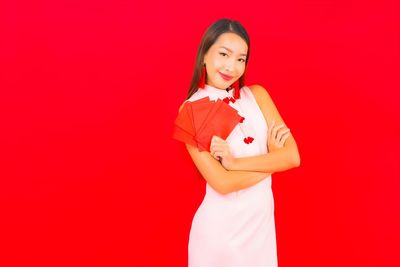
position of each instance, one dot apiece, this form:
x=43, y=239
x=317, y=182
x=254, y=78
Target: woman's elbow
x=296, y=160
x=225, y=188
x=220, y=185
x=221, y=189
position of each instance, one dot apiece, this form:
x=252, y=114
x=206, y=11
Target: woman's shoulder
x=260, y=93
x=257, y=89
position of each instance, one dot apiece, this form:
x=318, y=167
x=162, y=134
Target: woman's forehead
x=231, y=42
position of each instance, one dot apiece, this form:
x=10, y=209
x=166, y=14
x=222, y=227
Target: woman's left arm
x=278, y=159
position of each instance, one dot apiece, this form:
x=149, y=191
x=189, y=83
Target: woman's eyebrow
x=231, y=51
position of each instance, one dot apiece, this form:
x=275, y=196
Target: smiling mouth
x=225, y=77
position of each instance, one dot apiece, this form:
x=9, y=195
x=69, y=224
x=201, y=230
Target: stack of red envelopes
x=200, y=120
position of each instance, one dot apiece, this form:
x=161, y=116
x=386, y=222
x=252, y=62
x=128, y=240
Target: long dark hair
x=210, y=36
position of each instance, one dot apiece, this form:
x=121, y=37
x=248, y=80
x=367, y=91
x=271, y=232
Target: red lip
x=225, y=77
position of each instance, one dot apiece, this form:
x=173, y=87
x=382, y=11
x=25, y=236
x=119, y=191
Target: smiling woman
x=234, y=225
x=223, y=53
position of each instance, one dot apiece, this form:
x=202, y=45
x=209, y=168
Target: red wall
x=89, y=174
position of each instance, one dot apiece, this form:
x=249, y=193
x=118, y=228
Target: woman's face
x=225, y=60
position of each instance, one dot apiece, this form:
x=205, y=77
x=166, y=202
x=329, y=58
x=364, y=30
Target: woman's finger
x=275, y=129
x=214, y=139
x=270, y=130
x=217, y=138
x=218, y=147
x=284, y=137
x=281, y=133
x=218, y=142
x=219, y=155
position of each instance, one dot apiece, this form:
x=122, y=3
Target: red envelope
x=220, y=123
x=211, y=113
x=201, y=108
x=184, y=120
x=199, y=120
x=183, y=136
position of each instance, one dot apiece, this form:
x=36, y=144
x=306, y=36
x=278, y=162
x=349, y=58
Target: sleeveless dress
x=236, y=229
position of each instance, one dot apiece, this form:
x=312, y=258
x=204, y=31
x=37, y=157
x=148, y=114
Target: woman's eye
x=225, y=54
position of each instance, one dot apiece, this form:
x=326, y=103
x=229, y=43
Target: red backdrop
x=90, y=176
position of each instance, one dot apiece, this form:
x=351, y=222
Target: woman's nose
x=229, y=65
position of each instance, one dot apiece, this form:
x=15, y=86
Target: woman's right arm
x=220, y=179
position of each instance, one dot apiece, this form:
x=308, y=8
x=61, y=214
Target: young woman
x=234, y=225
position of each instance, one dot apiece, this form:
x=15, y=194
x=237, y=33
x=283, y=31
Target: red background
x=90, y=176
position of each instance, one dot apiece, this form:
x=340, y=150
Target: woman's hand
x=219, y=149
x=277, y=136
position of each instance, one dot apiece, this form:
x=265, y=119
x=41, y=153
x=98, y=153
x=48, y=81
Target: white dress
x=236, y=229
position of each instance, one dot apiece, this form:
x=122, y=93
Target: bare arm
x=220, y=179
x=278, y=160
